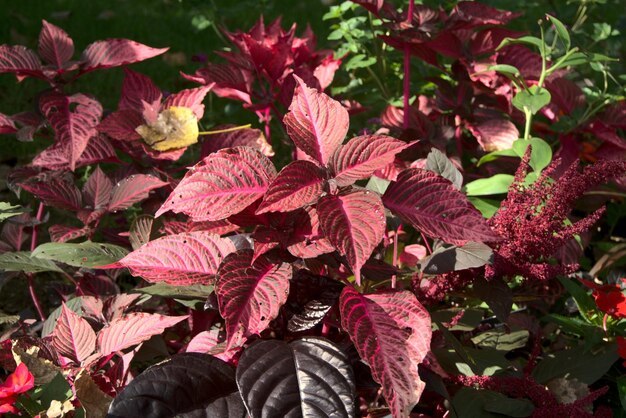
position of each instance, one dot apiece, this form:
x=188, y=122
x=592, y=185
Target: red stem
x=426, y=244
x=395, y=256
x=407, y=71
x=31, y=277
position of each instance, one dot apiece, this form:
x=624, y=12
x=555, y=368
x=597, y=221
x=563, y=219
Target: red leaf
x=310, y=241
x=298, y=184
x=354, y=222
x=495, y=134
x=221, y=185
x=230, y=81
x=62, y=233
x=362, y=156
x=250, y=295
x=316, y=123
x=183, y=259
x=190, y=98
x=116, y=52
x=19, y=60
x=7, y=126
x=73, y=337
x=240, y=138
x=56, y=190
x=133, y=329
x=55, y=45
x=74, y=120
x=97, y=190
x=431, y=204
x=391, y=332
x=133, y=189
x=122, y=125
x=135, y=89
x=55, y=157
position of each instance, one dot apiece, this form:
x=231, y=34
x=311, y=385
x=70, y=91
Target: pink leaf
x=298, y=184
x=133, y=329
x=62, y=233
x=495, y=134
x=74, y=120
x=432, y=205
x=116, y=52
x=133, y=189
x=250, y=295
x=391, y=332
x=122, y=125
x=183, y=259
x=212, y=342
x=362, y=156
x=221, y=185
x=7, y=126
x=55, y=157
x=240, y=138
x=230, y=81
x=73, y=337
x=55, y=45
x=97, y=190
x=354, y=222
x=190, y=98
x=55, y=190
x=316, y=123
x=19, y=60
x=137, y=88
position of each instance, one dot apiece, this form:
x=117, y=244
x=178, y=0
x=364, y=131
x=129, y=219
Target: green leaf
x=501, y=340
x=492, y=185
x=196, y=291
x=561, y=30
x=470, y=255
x=469, y=321
x=576, y=363
x=505, y=69
x=86, y=254
x=621, y=388
x=378, y=185
x=532, y=99
x=517, y=408
x=8, y=319
x=584, y=301
x=494, y=155
x=57, y=390
x=541, y=154
x=359, y=61
x=26, y=262
x=488, y=207
x=524, y=40
x=7, y=210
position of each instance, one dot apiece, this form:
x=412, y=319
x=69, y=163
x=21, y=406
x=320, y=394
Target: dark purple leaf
x=183, y=259
x=310, y=377
x=431, y=204
x=223, y=184
x=391, y=332
x=316, y=123
x=240, y=138
x=362, y=156
x=445, y=260
x=56, y=190
x=189, y=385
x=354, y=222
x=250, y=295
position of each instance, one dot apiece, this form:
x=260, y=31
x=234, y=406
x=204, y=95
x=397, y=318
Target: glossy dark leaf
x=310, y=377
x=189, y=385
x=470, y=255
x=438, y=163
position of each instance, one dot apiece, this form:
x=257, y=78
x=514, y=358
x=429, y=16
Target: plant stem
x=223, y=131
x=30, y=276
x=529, y=121
x=407, y=71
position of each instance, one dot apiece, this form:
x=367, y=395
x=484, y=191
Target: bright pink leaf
x=74, y=120
x=391, y=332
x=73, y=337
x=432, y=205
x=354, y=222
x=316, y=123
x=55, y=190
x=137, y=88
x=116, y=52
x=191, y=98
x=250, y=295
x=298, y=184
x=133, y=329
x=133, y=189
x=221, y=185
x=55, y=45
x=183, y=259
x=213, y=343
x=240, y=138
x=97, y=190
x=362, y=156
x=19, y=60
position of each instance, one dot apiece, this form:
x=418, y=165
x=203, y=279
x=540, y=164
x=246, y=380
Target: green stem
x=223, y=131
x=529, y=121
